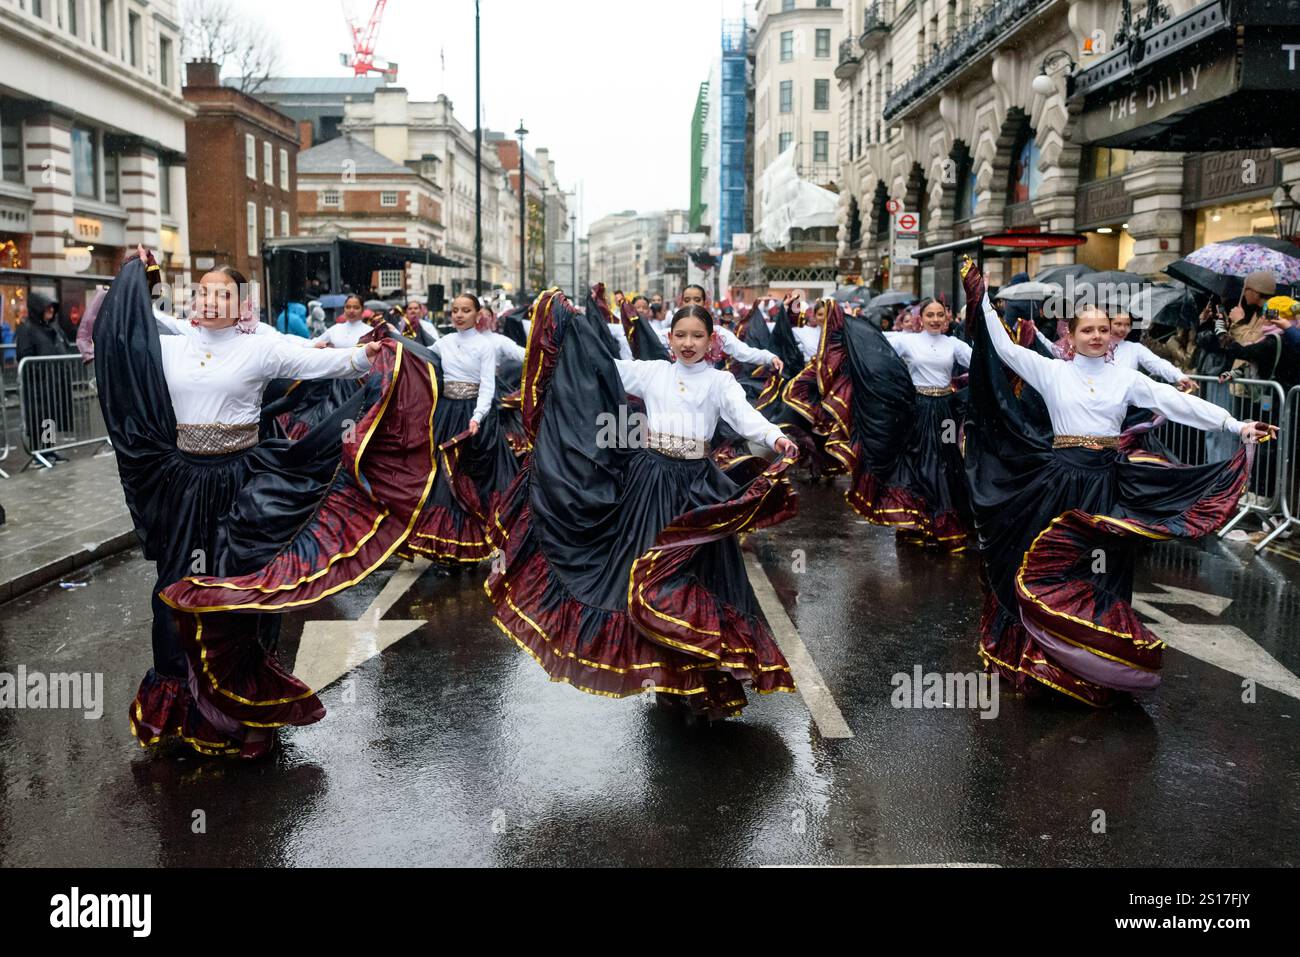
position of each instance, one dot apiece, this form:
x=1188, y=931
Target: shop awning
x=1007, y=244
x=1222, y=76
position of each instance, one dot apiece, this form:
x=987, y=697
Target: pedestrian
x=209, y=499
x=47, y=410
x=1059, y=516
x=293, y=321
x=476, y=463
x=620, y=571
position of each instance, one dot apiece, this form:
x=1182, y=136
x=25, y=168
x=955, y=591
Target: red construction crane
x=362, y=59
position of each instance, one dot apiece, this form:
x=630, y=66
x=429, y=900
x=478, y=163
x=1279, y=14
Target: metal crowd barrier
x=58, y=406
x=1247, y=400
x=1289, y=485
x=8, y=394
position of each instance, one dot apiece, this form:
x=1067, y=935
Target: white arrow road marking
x=330, y=649
x=1223, y=646
x=825, y=712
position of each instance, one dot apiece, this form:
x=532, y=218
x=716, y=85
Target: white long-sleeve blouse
x=1090, y=397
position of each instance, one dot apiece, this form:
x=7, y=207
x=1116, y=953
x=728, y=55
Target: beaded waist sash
x=677, y=446
x=931, y=390
x=460, y=390
x=1086, y=441
x=215, y=438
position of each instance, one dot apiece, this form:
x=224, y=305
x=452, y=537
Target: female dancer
x=739, y=351
x=345, y=334
x=620, y=570
x=207, y=498
x=1058, y=516
x=477, y=462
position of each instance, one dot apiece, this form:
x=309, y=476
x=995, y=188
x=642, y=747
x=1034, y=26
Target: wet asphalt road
x=452, y=748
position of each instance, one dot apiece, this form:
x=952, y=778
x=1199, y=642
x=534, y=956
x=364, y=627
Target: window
x=268, y=223
x=783, y=142
x=392, y=279
x=787, y=6
x=823, y=44
x=821, y=94
x=1102, y=163
x=107, y=21
x=787, y=96
x=268, y=162
x=112, y=178
x=284, y=170
x=133, y=30
x=73, y=24
x=252, y=229
x=821, y=147
x=165, y=62
x=388, y=199
x=85, y=163
x=1025, y=175
x=787, y=46
x=823, y=3
x=284, y=222
x=164, y=189
x=250, y=156
x=11, y=149
x=330, y=199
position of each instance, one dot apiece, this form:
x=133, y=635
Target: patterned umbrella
x=1219, y=267
x=1242, y=258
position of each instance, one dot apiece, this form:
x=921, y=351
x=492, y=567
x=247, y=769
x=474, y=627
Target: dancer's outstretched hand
x=1258, y=432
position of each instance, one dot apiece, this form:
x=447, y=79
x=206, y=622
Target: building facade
x=939, y=115
x=316, y=104
x=794, y=87
x=347, y=189
x=429, y=132
x=628, y=250
x=92, y=144
x=242, y=174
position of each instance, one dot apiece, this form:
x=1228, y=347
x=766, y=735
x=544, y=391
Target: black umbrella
x=1112, y=289
x=1161, y=304
x=855, y=294
x=1058, y=274
x=894, y=298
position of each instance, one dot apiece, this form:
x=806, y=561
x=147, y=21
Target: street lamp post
x=478, y=157
x=573, y=228
x=523, y=214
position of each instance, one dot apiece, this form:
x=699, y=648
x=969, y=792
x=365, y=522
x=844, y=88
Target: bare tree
x=215, y=30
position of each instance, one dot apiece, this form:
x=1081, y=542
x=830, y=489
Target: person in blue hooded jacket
x=296, y=323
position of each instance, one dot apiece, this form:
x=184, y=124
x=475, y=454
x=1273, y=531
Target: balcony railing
x=987, y=25
x=849, y=59
x=877, y=21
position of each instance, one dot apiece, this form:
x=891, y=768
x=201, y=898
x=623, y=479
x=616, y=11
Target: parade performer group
x=614, y=538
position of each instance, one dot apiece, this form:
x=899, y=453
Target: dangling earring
x=247, y=323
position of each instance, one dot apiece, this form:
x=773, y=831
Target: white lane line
x=821, y=703
x=1223, y=646
x=330, y=649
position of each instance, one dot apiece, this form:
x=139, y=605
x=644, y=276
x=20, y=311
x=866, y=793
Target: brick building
x=243, y=173
x=347, y=189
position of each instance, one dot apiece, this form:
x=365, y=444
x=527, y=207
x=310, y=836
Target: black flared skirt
x=621, y=571
x=474, y=474
x=235, y=536
x=1059, y=531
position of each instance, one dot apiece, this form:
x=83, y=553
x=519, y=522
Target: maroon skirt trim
x=675, y=637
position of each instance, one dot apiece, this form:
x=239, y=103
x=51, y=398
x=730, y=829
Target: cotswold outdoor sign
x=1166, y=93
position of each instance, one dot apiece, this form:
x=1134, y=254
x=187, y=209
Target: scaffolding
x=735, y=115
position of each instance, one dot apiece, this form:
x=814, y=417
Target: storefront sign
x=14, y=219
x=1170, y=90
x=1234, y=174
x=1272, y=60
x=88, y=230
x=1102, y=203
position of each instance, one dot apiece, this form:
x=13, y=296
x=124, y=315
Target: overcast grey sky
x=608, y=85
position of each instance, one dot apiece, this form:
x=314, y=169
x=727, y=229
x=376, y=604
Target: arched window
x=855, y=224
